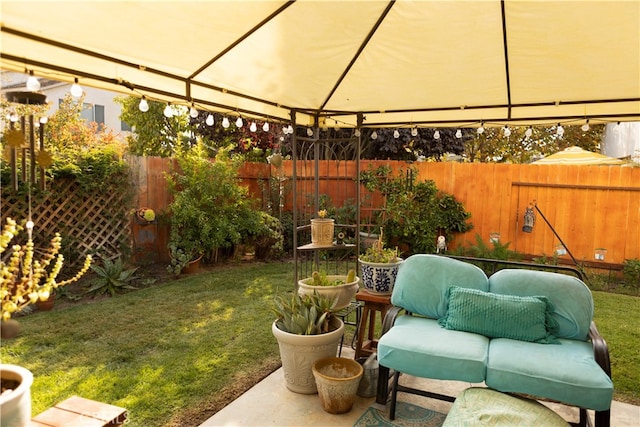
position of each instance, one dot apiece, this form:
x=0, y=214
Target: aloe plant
x=308, y=315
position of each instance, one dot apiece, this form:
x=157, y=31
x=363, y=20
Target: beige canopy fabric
x=578, y=156
x=397, y=63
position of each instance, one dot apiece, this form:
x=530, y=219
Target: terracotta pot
x=337, y=379
x=193, y=266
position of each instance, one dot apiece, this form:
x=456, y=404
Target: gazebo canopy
x=578, y=156
x=426, y=63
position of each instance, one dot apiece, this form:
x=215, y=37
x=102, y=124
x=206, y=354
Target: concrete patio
x=270, y=403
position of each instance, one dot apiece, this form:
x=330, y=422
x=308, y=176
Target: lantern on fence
x=529, y=219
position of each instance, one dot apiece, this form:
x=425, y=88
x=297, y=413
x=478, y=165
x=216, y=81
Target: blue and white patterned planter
x=379, y=278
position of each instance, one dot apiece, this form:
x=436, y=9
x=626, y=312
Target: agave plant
x=308, y=315
x=112, y=277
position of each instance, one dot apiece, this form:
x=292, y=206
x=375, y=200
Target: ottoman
x=477, y=406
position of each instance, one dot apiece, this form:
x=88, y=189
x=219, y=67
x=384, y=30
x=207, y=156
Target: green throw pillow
x=500, y=316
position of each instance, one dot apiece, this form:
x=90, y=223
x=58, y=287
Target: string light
x=585, y=127
x=481, y=129
x=559, y=130
x=396, y=134
x=225, y=122
x=193, y=112
x=414, y=131
x=309, y=132
x=357, y=133
x=44, y=119
x=33, y=84
x=458, y=134
x=168, y=111
x=507, y=131
x=374, y=135
x=209, y=121
x=143, y=105
x=239, y=122
x=290, y=129
x=76, y=89
x=528, y=132
x=436, y=135
x=253, y=127
x=265, y=127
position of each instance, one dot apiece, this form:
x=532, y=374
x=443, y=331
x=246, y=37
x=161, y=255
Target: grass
x=174, y=353
x=165, y=352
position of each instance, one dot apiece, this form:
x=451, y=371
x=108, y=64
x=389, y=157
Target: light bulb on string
x=414, y=131
x=76, y=89
x=209, y=121
x=528, y=132
x=253, y=127
x=559, y=130
x=507, y=131
x=193, y=112
x=309, y=132
x=225, y=122
x=168, y=111
x=585, y=127
x=458, y=134
x=481, y=129
x=33, y=84
x=290, y=129
x=239, y=122
x=13, y=117
x=357, y=133
x=143, y=105
x=396, y=134
x=374, y=135
x=436, y=135
x=265, y=127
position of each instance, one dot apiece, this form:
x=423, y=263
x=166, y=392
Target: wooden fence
x=595, y=210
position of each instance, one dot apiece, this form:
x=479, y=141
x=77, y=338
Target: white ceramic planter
x=299, y=352
x=15, y=406
x=379, y=278
x=345, y=293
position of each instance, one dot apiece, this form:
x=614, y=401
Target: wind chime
x=20, y=143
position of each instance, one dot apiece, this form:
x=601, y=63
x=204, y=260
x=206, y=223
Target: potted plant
x=306, y=331
x=379, y=267
x=342, y=288
x=322, y=229
x=24, y=281
x=145, y=216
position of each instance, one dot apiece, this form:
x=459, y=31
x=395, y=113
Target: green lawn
x=172, y=353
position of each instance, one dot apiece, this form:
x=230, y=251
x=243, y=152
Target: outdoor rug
x=407, y=415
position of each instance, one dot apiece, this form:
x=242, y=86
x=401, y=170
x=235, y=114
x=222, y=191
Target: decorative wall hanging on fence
x=529, y=219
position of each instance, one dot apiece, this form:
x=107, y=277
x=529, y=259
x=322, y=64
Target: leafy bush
x=631, y=271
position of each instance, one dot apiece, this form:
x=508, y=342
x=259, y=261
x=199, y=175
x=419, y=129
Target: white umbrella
x=578, y=156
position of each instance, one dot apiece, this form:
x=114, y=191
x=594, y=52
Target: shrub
x=631, y=271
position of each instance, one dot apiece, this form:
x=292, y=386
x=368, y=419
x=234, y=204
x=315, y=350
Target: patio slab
x=270, y=403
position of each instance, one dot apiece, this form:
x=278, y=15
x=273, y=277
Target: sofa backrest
x=570, y=297
x=423, y=281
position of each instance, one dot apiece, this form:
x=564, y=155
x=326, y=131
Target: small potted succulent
x=145, y=216
x=379, y=267
x=322, y=229
x=306, y=331
x=339, y=287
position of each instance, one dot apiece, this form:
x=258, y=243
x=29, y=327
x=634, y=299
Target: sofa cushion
x=500, y=316
x=566, y=372
x=477, y=406
x=571, y=298
x=423, y=281
x=419, y=346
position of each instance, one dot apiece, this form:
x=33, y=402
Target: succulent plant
x=308, y=315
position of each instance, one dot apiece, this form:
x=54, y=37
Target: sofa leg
x=394, y=396
x=383, y=385
x=603, y=418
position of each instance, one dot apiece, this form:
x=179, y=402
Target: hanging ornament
x=44, y=159
x=14, y=138
x=529, y=219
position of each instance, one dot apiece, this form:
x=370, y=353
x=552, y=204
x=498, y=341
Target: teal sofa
x=519, y=331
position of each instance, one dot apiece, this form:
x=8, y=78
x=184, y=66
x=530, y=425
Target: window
x=91, y=113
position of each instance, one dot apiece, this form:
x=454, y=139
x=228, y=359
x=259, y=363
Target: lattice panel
x=97, y=224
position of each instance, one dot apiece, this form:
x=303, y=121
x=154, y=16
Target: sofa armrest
x=390, y=319
x=600, y=349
